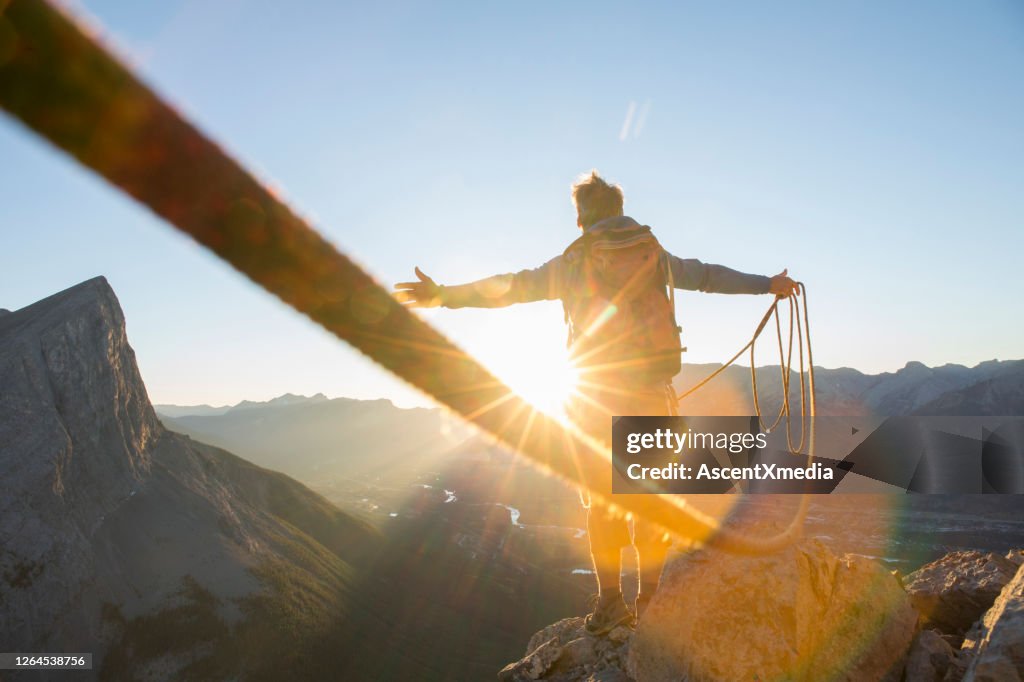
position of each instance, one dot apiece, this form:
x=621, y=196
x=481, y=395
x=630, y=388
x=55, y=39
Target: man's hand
x=422, y=294
x=782, y=285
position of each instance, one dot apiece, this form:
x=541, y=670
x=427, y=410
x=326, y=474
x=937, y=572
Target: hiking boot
x=609, y=613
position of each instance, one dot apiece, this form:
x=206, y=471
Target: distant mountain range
x=313, y=438
x=993, y=388
x=210, y=411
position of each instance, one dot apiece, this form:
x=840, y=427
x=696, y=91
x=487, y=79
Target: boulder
x=997, y=644
x=563, y=631
x=579, y=653
x=534, y=665
x=565, y=652
x=930, y=658
x=956, y=590
x=1016, y=556
x=799, y=614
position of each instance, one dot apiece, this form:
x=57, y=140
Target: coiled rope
x=802, y=326
x=808, y=401
x=61, y=83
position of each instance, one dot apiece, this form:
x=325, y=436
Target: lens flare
x=546, y=382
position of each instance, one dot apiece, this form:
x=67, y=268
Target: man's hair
x=596, y=199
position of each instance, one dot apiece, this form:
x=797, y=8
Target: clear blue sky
x=874, y=148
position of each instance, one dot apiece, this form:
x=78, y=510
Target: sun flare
x=545, y=381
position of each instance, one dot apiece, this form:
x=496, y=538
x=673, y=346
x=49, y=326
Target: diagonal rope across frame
x=63, y=85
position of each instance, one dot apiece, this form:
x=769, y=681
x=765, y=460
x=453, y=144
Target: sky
x=873, y=148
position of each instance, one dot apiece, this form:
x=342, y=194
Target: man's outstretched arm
x=694, y=275
x=491, y=292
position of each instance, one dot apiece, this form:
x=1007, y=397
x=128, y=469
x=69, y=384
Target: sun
x=525, y=348
x=545, y=380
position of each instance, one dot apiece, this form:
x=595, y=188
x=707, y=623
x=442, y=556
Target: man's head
x=595, y=199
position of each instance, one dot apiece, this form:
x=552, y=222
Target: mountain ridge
x=111, y=525
x=313, y=438
x=913, y=369
x=842, y=391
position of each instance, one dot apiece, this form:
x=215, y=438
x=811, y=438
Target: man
x=614, y=335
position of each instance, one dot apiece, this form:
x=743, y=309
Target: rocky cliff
x=163, y=557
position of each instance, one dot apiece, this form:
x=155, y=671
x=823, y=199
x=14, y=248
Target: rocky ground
x=804, y=614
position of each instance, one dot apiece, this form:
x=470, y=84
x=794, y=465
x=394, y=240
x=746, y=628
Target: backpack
x=622, y=324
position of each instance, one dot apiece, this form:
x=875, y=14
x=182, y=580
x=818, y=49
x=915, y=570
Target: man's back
x=617, y=297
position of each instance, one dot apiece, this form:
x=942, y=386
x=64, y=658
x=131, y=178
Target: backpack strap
x=670, y=280
x=571, y=259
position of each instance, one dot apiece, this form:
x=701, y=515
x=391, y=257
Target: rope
x=808, y=401
x=802, y=326
x=63, y=85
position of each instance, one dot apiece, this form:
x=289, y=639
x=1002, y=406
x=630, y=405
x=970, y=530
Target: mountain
x=1002, y=394
x=186, y=410
x=172, y=559
x=280, y=401
x=914, y=389
x=319, y=438
x=162, y=556
x=174, y=411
